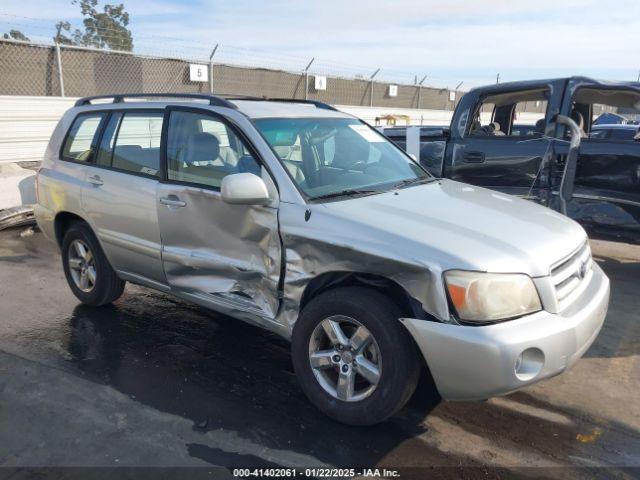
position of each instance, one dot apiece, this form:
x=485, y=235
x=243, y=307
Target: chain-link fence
x=30, y=68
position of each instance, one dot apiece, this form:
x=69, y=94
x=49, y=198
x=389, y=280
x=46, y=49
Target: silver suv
x=307, y=222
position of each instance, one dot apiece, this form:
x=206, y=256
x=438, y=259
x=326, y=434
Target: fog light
x=529, y=364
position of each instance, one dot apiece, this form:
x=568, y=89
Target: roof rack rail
x=318, y=104
x=119, y=98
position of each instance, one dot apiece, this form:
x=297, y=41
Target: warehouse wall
x=26, y=123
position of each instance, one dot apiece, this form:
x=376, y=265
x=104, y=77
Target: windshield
x=332, y=157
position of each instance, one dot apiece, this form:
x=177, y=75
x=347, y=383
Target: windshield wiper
x=346, y=193
x=412, y=181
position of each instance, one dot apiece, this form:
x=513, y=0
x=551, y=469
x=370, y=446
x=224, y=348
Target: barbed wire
x=39, y=30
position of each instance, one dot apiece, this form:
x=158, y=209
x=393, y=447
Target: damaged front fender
x=316, y=243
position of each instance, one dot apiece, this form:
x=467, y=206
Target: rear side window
x=79, y=143
x=131, y=142
x=606, y=107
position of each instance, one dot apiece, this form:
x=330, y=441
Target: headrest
x=349, y=150
x=578, y=118
x=247, y=164
x=202, y=147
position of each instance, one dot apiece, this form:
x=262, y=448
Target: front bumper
x=475, y=363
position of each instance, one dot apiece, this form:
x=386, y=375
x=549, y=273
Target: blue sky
x=450, y=41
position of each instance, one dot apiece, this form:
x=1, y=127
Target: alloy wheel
x=82, y=265
x=345, y=358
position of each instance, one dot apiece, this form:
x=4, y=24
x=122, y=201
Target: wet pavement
x=153, y=381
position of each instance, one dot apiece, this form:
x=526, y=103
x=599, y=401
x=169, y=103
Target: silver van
x=304, y=220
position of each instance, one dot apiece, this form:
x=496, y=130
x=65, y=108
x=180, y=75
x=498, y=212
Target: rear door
x=607, y=185
x=120, y=197
x=503, y=145
x=213, y=252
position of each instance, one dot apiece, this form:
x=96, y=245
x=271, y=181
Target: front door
x=212, y=251
x=504, y=146
x=606, y=194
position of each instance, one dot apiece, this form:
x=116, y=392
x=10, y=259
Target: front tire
x=354, y=360
x=89, y=275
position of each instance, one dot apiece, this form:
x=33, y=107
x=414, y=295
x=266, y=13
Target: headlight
x=487, y=297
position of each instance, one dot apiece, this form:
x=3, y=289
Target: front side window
x=528, y=119
x=328, y=157
x=202, y=150
x=511, y=114
x=78, y=145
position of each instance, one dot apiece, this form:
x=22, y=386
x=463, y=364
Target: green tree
x=60, y=37
x=104, y=27
x=16, y=35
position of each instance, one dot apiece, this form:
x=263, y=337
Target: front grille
x=571, y=273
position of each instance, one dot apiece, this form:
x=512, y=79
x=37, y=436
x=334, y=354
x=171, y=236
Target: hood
x=456, y=225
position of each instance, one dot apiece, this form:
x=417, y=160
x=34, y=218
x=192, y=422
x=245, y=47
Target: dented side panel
x=226, y=253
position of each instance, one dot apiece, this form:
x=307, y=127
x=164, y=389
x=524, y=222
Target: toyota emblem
x=583, y=270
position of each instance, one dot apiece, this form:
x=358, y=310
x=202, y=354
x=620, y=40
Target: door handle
x=172, y=201
x=95, y=180
x=473, y=157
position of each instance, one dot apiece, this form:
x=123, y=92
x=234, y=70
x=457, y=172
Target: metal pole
x=456, y=91
x=306, y=79
x=498, y=78
x=371, y=87
x=59, y=60
x=420, y=90
x=211, y=67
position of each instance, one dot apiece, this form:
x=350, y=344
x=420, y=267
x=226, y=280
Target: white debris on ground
x=17, y=186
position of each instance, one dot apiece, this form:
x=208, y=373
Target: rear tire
x=386, y=374
x=90, y=276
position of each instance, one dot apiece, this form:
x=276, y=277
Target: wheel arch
x=62, y=222
x=409, y=306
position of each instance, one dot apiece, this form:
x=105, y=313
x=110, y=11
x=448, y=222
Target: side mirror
x=244, y=189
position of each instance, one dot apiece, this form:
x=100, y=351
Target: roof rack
x=119, y=98
x=317, y=104
x=215, y=100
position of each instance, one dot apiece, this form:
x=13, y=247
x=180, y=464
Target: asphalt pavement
x=154, y=381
